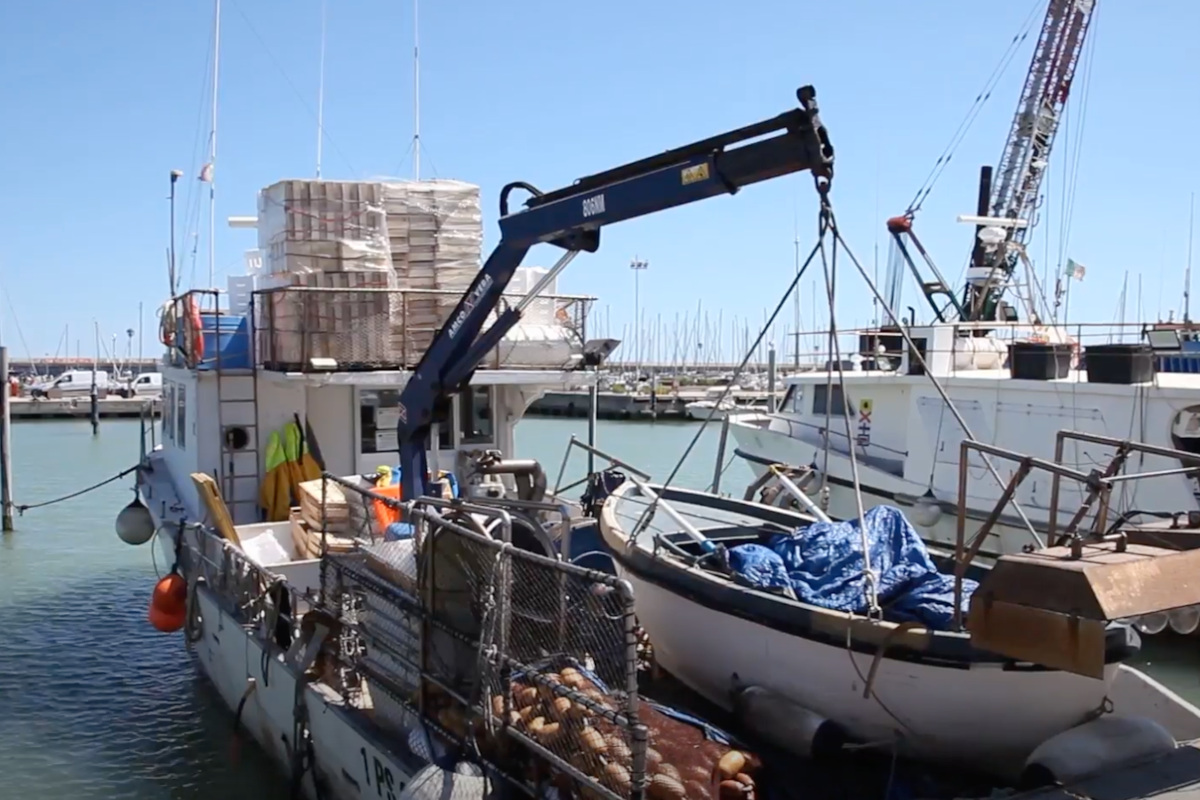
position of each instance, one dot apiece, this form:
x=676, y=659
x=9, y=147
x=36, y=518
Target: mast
x=1187, y=275
x=416, y=94
x=1026, y=156
x=212, y=153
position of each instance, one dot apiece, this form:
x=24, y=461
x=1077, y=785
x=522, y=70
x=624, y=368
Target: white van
x=72, y=383
x=148, y=384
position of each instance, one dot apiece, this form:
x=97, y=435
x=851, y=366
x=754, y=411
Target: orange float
x=168, y=603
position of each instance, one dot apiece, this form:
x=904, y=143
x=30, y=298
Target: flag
x=1075, y=269
x=206, y=172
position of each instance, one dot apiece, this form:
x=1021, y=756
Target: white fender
x=782, y=722
x=1103, y=744
x=465, y=782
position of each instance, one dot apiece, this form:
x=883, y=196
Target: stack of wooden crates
x=338, y=238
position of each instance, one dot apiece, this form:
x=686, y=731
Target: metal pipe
x=593, y=412
x=1040, y=463
x=546, y=279
x=693, y=533
x=719, y=467
x=798, y=493
x=616, y=462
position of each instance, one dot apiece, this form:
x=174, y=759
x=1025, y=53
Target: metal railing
x=375, y=327
x=1097, y=485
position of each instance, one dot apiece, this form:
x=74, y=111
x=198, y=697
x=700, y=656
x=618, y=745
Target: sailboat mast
x=416, y=93
x=212, y=153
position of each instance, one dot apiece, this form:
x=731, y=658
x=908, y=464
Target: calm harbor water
x=95, y=704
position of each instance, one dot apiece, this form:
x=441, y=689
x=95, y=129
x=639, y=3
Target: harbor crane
x=1009, y=200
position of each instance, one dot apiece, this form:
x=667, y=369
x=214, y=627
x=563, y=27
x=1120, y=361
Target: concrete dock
x=28, y=408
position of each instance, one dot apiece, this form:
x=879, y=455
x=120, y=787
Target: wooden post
x=5, y=446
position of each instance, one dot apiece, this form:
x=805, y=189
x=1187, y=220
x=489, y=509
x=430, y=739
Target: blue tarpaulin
x=823, y=565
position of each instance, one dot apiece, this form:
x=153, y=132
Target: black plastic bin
x=1119, y=363
x=1039, y=361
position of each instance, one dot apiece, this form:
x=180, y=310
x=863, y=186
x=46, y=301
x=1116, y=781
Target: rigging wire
x=829, y=267
x=22, y=508
x=973, y=112
x=318, y=119
x=741, y=367
x=915, y=353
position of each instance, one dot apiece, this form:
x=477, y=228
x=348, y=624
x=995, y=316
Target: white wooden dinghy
x=928, y=691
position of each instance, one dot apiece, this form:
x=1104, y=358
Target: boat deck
x=1173, y=777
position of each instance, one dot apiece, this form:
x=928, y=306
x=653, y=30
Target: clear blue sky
x=100, y=100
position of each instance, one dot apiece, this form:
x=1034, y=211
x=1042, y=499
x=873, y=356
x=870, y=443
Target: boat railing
x=882, y=349
x=1096, y=487
x=376, y=327
x=516, y=656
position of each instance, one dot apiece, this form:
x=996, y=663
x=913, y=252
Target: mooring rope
x=23, y=507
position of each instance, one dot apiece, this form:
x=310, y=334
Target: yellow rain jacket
x=274, y=495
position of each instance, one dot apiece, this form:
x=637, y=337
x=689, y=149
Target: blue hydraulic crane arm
x=571, y=218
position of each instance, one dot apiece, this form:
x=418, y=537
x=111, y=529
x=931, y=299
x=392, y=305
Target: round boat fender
x=782, y=722
x=1105, y=743
x=465, y=782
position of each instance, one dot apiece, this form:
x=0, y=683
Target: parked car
x=148, y=384
x=72, y=383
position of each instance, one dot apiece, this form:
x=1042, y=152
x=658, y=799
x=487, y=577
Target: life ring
x=193, y=331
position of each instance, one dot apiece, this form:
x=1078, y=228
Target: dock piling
x=771, y=400
x=6, y=475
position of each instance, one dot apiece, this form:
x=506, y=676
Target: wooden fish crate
x=334, y=515
x=307, y=539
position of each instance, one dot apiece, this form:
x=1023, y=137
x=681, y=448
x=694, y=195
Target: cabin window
x=181, y=416
x=820, y=403
x=168, y=411
x=475, y=416
x=792, y=401
x=378, y=414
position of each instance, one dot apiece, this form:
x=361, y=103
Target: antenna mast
x=416, y=94
x=212, y=154
x=321, y=94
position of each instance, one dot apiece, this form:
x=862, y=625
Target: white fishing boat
x=993, y=363
x=373, y=586
x=733, y=592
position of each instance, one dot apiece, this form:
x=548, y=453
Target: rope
x=21, y=509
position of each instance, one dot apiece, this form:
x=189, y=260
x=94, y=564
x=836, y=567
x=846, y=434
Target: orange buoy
x=170, y=593
x=168, y=603
x=165, y=622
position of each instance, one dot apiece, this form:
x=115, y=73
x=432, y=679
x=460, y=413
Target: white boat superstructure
x=289, y=364
x=906, y=440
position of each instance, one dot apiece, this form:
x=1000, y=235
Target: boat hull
x=350, y=765
x=985, y=714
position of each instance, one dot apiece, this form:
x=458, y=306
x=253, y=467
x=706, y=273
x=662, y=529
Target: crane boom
x=1015, y=192
x=571, y=218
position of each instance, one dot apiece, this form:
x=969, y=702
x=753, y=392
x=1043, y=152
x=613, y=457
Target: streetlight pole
x=637, y=265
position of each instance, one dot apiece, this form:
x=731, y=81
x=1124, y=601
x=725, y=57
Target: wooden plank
x=1072, y=644
x=218, y=512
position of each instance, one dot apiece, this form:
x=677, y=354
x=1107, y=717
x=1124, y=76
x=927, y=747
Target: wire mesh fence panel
x=524, y=661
